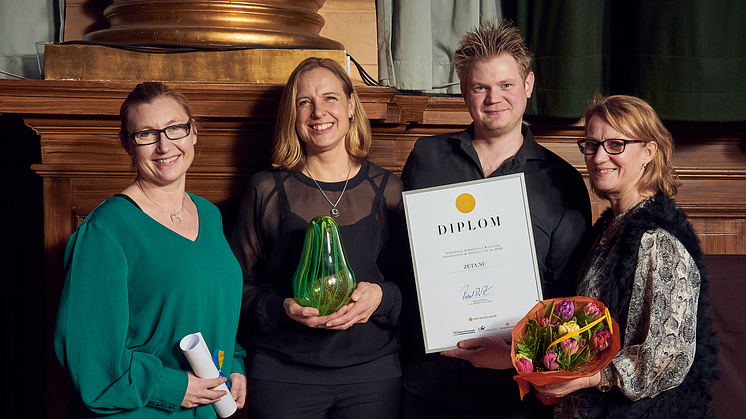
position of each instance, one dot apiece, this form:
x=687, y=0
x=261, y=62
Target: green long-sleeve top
x=133, y=290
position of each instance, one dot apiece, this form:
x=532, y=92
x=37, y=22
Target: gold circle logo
x=465, y=203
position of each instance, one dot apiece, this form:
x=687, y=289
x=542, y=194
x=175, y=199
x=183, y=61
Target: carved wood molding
x=78, y=124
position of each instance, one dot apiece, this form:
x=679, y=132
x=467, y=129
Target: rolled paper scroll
x=196, y=352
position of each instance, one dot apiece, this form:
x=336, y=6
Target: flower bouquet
x=563, y=339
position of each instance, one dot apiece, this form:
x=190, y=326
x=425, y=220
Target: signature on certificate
x=468, y=293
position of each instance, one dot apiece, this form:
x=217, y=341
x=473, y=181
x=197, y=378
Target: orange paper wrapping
x=547, y=377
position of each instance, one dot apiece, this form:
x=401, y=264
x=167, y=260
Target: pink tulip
x=550, y=361
x=591, y=309
x=570, y=346
x=524, y=365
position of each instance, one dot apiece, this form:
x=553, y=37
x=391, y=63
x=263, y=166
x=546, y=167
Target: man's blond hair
x=490, y=41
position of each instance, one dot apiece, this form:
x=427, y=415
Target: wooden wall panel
x=78, y=124
x=58, y=222
x=721, y=236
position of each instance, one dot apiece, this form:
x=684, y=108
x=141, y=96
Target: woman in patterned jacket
x=647, y=267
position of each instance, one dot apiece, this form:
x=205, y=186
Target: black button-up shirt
x=560, y=215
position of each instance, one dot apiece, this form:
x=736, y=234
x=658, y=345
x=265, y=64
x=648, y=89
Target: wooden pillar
x=267, y=23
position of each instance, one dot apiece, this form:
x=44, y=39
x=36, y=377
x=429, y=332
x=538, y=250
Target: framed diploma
x=474, y=259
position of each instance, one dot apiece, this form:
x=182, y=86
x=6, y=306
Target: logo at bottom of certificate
x=478, y=329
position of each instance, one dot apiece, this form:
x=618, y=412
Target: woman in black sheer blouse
x=303, y=364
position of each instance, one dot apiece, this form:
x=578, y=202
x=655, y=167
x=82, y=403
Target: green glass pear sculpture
x=323, y=278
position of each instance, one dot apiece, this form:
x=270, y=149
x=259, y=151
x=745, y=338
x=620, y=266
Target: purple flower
x=550, y=361
x=601, y=340
x=592, y=310
x=524, y=364
x=565, y=310
x=570, y=346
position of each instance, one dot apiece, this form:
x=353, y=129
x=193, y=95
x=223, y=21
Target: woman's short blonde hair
x=288, y=150
x=636, y=119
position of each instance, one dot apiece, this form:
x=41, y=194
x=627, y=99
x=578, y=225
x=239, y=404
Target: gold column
x=264, y=23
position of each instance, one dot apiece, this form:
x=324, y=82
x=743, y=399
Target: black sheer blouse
x=268, y=240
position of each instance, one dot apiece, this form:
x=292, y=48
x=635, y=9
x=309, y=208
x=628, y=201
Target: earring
x=352, y=118
x=645, y=165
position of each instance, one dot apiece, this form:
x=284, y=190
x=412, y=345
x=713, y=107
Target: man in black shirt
x=475, y=381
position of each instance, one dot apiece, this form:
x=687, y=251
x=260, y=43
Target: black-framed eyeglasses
x=151, y=136
x=613, y=146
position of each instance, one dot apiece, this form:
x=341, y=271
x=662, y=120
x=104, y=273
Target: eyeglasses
x=151, y=136
x=589, y=147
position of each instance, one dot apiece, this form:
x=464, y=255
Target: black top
x=268, y=240
x=560, y=214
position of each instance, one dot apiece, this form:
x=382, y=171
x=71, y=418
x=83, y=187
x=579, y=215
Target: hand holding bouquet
x=562, y=339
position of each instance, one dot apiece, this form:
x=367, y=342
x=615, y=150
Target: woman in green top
x=146, y=268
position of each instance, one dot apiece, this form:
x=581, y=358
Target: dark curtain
x=687, y=58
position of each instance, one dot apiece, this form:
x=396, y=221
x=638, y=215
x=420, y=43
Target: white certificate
x=474, y=259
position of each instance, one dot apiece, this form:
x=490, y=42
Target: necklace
x=633, y=202
x=174, y=215
x=334, y=211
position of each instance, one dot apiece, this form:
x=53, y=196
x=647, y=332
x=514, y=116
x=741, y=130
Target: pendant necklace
x=334, y=211
x=174, y=215
x=633, y=202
